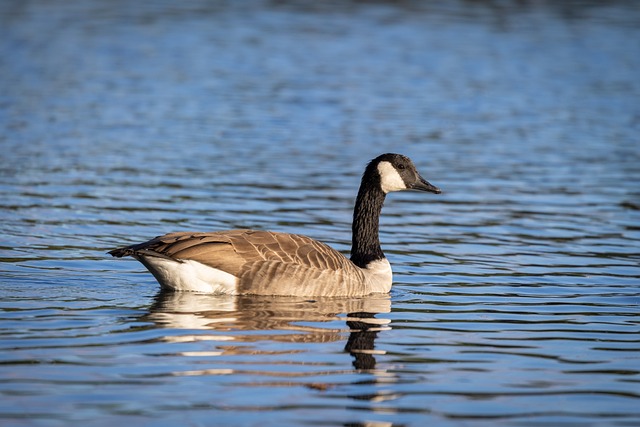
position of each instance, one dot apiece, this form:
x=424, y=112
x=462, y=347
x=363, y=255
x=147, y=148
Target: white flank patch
x=390, y=179
x=190, y=276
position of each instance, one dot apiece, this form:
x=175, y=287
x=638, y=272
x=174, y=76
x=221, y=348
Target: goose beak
x=423, y=185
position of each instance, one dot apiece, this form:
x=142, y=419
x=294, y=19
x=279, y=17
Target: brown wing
x=212, y=249
x=286, y=248
x=237, y=251
x=291, y=264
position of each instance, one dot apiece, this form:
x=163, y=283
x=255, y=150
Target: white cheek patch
x=390, y=179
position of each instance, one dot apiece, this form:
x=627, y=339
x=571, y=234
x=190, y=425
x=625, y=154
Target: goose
x=253, y=262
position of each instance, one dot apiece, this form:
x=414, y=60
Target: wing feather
x=264, y=261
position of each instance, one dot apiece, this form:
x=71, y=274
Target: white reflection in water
x=246, y=319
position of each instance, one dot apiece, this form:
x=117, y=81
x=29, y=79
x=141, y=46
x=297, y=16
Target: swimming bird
x=257, y=262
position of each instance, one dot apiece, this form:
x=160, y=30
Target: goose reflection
x=233, y=321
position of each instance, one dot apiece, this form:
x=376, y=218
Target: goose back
x=263, y=262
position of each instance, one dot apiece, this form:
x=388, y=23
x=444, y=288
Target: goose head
x=397, y=172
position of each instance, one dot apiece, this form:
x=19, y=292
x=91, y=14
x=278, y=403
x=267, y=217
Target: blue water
x=516, y=291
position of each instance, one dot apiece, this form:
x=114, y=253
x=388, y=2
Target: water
x=516, y=291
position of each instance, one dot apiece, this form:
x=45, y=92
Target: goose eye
x=401, y=166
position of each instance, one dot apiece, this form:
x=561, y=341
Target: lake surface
x=516, y=292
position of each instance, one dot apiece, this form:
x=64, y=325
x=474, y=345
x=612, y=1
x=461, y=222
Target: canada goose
x=269, y=263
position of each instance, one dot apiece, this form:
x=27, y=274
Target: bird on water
x=253, y=262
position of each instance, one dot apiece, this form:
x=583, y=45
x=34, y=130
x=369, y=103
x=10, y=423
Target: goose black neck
x=365, y=246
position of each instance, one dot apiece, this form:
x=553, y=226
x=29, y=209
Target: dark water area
x=516, y=292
